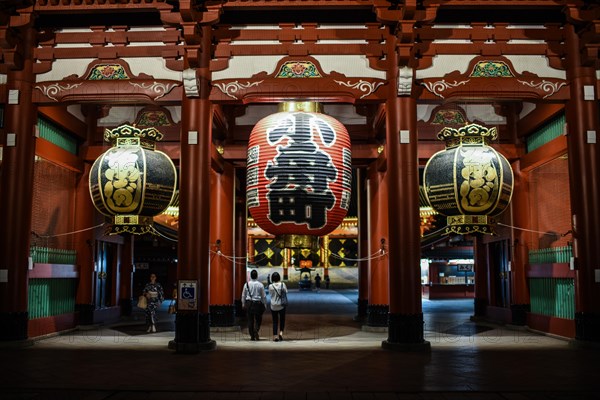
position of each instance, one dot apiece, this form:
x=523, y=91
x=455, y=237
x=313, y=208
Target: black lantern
x=132, y=181
x=469, y=181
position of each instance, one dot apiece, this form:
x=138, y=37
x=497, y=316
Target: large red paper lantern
x=299, y=173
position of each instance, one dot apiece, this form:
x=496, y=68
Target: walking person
x=155, y=295
x=279, y=302
x=254, y=300
x=318, y=282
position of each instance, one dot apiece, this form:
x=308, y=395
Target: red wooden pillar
x=222, y=312
x=16, y=181
x=405, y=330
x=241, y=251
x=363, y=246
x=192, y=327
x=520, y=256
x=584, y=175
x=378, y=275
x=250, y=249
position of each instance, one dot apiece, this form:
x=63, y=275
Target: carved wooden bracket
x=11, y=40
x=588, y=22
x=494, y=77
x=299, y=77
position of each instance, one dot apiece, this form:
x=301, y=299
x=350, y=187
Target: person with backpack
x=279, y=303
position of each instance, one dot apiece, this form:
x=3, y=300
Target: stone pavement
x=326, y=355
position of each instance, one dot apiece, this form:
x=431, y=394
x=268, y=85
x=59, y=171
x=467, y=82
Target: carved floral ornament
x=107, y=72
x=491, y=69
x=298, y=69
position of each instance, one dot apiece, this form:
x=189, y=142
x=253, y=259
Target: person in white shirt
x=254, y=300
x=278, y=292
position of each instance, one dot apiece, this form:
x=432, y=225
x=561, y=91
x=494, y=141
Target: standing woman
x=155, y=295
x=278, y=292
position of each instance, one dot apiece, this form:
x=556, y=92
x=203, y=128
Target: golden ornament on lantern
x=132, y=181
x=299, y=174
x=469, y=181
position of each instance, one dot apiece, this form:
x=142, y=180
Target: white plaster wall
x=527, y=108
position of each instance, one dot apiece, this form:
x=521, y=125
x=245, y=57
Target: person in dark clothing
x=278, y=292
x=254, y=300
x=155, y=295
x=318, y=283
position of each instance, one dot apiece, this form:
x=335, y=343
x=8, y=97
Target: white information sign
x=187, y=298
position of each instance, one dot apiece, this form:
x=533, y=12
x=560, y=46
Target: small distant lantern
x=299, y=174
x=132, y=181
x=469, y=181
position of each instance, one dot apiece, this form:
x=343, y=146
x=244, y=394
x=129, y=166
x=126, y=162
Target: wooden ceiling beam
x=60, y=116
x=482, y=32
x=542, y=113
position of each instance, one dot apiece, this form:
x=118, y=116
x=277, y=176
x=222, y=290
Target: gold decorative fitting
x=220, y=149
x=380, y=149
x=468, y=134
x=299, y=241
x=127, y=135
x=306, y=106
x=130, y=223
x=465, y=224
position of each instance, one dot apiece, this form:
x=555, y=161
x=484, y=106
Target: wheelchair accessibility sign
x=188, y=295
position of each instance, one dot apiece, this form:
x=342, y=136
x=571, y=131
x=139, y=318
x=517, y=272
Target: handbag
x=172, y=309
x=282, y=294
x=284, y=299
x=142, y=302
x=247, y=302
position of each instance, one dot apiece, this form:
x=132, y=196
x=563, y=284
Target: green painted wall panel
x=553, y=297
x=56, y=135
x=51, y=296
x=546, y=133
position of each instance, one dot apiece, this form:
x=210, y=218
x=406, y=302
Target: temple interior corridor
x=326, y=355
x=432, y=166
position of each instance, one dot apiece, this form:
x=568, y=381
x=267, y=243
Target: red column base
x=377, y=314
x=192, y=333
x=405, y=333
